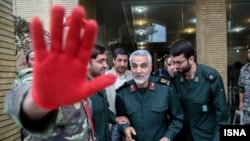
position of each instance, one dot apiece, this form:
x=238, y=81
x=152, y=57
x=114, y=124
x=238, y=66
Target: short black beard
x=186, y=68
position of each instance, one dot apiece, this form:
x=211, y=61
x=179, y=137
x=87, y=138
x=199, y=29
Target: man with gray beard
x=147, y=100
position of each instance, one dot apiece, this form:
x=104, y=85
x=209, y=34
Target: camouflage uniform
x=244, y=87
x=68, y=123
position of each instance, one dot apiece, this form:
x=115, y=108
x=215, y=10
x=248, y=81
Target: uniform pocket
x=159, y=108
x=200, y=105
x=158, y=111
x=200, y=100
x=131, y=110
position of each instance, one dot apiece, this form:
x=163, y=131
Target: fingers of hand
x=38, y=39
x=75, y=31
x=98, y=83
x=133, y=131
x=57, y=14
x=88, y=40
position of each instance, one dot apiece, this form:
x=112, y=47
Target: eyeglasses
x=178, y=63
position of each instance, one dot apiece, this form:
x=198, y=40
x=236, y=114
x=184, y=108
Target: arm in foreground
x=52, y=85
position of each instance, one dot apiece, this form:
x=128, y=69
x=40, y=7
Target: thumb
x=99, y=83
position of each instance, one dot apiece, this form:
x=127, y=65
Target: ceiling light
x=140, y=23
x=139, y=9
x=189, y=30
x=141, y=32
x=248, y=20
x=193, y=20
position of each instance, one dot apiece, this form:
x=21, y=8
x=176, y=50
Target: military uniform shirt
x=101, y=116
x=147, y=109
x=204, y=103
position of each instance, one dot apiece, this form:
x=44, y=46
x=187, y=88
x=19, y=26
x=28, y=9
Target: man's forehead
x=100, y=56
x=178, y=57
x=122, y=56
x=139, y=62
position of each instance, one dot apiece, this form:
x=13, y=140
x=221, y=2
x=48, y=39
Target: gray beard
x=141, y=81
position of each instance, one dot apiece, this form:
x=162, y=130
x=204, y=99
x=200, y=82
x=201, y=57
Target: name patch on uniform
x=237, y=132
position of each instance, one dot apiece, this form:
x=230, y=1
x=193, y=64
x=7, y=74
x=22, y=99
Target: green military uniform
x=204, y=104
x=68, y=123
x=147, y=109
x=101, y=115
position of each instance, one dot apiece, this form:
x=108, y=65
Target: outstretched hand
x=60, y=69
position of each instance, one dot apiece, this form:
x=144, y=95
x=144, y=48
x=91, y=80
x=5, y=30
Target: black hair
x=119, y=50
x=97, y=50
x=27, y=57
x=182, y=47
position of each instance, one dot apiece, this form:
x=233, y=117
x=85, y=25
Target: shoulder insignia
x=211, y=77
x=132, y=88
x=152, y=86
x=164, y=81
x=182, y=79
x=196, y=79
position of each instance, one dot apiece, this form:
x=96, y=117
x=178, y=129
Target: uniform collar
x=151, y=85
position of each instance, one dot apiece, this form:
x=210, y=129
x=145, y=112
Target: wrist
x=32, y=110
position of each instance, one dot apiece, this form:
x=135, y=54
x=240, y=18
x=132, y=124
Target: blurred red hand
x=60, y=72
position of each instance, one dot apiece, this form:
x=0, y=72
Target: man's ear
x=151, y=66
x=89, y=64
x=191, y=59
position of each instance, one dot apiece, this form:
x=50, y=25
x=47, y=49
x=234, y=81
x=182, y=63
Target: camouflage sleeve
x=241, y=81
x=13, y=103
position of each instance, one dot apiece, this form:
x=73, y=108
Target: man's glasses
x=178, y=63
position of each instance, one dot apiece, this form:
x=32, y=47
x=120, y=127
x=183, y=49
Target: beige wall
x=211, y=36
x=8, y=129
x=41, y=9
x=27, y=9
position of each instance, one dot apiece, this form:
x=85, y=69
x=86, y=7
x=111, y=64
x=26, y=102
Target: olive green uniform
x=204, y=104
x=101, y=116
x=147, y=109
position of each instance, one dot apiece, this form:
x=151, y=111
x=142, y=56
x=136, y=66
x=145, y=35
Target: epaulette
x=209, y=76
x=164, y=81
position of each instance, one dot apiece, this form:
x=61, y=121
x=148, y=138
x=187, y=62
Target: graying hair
x=140, y=52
